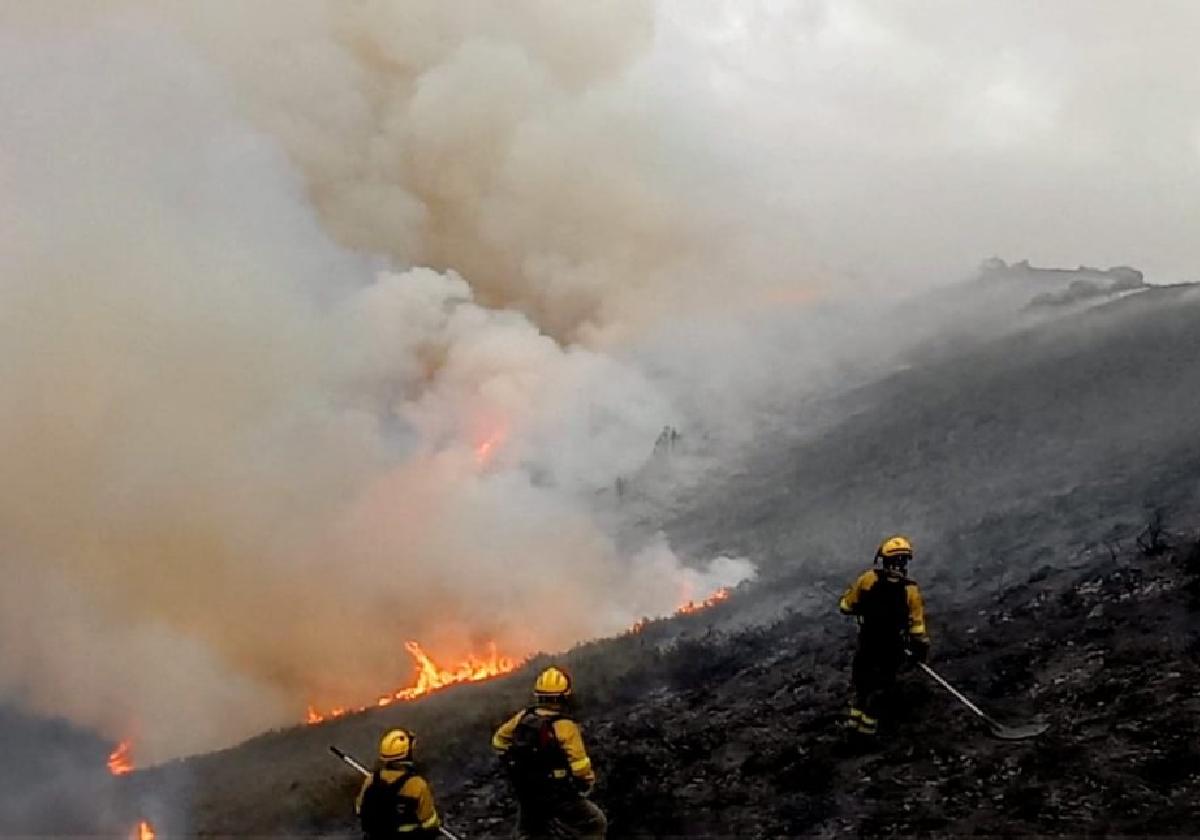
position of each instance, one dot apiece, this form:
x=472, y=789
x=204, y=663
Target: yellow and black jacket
x=546, y=751
x=395, y=800
x=888, y=605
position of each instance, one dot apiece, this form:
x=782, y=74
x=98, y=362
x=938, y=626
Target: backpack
x=384, y=812
x=884, y=608
x=537, y=763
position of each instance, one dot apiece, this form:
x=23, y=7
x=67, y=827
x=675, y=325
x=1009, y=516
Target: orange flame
x=486, y=449
x=474, y=668
x=431, y=677
x=687, y=607
x=120, y=760
x=712, y=600
x=144, y=831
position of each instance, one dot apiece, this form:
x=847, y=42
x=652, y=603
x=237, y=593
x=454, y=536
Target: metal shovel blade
x=998, y=730
x=1017, y=733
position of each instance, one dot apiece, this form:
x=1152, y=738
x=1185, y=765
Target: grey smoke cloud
x=272, y=274
x=243, y=460
x=911, y=139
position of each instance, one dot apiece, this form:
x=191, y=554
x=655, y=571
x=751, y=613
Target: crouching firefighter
x=395, y=799
x=551, y=773
x=891, y=617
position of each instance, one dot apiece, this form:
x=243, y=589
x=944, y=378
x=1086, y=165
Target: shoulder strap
x=531, y=714
x=396, y=783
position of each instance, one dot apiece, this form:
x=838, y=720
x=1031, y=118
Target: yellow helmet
x=553, y=682
x=895, y=547
x=396, y=745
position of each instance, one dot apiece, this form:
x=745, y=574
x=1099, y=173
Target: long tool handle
x=961, y=697
x=349, y=759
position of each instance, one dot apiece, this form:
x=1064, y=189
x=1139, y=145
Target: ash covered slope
x=1002, y=460
x=733, y=735
x=996, y=456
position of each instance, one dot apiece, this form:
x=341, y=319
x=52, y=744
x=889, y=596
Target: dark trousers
x=574, y=818
x=873, y=674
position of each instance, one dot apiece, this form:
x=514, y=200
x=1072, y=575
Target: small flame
x=472, y=669
x=144, y=831
x=712, y=600
x=485, y=450
x=475, y=668
x=688, y=606
x=120, y=760
x=431, y=677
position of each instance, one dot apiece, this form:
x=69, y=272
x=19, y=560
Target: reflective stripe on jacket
x=417, y=793
x=908, y=613
x=566, y=732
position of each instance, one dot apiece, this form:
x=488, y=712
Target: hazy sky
x=916, y=134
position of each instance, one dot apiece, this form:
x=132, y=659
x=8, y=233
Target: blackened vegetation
x=1021, y=464
x=1105, y=653
x=736, y=734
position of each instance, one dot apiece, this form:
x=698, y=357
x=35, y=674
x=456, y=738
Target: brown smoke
x=241, y=464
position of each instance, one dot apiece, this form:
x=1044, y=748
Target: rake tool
x=999, y=730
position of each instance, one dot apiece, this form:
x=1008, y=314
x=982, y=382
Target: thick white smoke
x=244, y=463
x=324, y=325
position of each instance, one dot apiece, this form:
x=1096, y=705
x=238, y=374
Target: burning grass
x=432, y=677
x=687, y=607
x=120, y=760
x=120, y=763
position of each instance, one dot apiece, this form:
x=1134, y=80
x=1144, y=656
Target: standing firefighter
x=395, y=799
x=891, y=619
x=551, y=773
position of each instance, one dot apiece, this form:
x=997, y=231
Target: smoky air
x=360, y=356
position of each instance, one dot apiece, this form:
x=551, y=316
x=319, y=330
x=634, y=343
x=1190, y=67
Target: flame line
x=430, y=677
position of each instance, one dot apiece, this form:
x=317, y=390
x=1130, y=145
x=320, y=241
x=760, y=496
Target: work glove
x=918, y=649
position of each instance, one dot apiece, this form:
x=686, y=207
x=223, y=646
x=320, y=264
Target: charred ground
x=1026, y=466
x=735, y=734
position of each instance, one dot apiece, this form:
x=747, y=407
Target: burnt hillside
x=1024, y=465
x=997, y=458
x=735, y=734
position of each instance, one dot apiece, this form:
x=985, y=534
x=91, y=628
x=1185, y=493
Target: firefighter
x=891, y=617
x=552, y=775
x=395, y=799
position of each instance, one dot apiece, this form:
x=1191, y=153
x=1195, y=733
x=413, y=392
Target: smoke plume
x=251, y=446
x=329, y=325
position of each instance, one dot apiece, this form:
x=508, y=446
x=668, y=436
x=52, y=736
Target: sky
x=908, y=138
